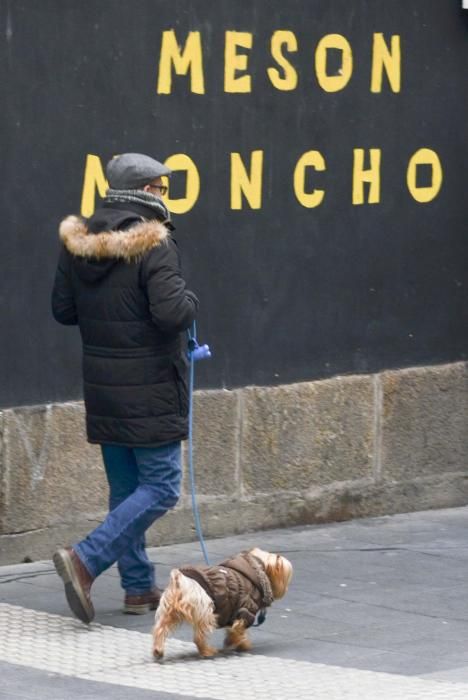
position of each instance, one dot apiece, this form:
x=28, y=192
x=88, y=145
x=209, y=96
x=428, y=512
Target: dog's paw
x=244, y=645
x=207, y=652
x=236, y=644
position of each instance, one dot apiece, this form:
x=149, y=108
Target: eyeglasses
x=162, y=188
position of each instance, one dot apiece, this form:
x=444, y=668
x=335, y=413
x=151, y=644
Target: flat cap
x=130, y=171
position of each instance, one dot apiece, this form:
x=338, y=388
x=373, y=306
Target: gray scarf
x=140, y=197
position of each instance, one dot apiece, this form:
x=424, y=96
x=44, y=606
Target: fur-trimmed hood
x=111, y=245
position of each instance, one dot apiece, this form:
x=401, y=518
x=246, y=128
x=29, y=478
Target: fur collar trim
x=263, y=579
x=127, y=245
x=252, y=568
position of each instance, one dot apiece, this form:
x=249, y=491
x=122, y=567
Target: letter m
x=182, y=60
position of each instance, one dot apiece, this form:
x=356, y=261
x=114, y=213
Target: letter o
x=180, y=161
x=425, y=156
x=333, y=83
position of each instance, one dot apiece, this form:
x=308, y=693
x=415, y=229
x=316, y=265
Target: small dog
x=228, y=595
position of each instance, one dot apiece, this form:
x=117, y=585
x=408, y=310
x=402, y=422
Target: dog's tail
x=178, y=593
x=176, y=579
x=173, y=590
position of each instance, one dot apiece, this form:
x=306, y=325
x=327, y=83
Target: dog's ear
x=279, y=570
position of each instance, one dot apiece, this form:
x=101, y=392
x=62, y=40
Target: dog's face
x=278, y=569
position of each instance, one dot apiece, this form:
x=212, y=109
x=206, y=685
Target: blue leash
x=201, y=352
x=195, y=352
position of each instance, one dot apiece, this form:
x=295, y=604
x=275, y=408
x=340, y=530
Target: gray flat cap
x=130, y=171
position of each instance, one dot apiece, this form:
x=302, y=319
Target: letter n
x=247, y=184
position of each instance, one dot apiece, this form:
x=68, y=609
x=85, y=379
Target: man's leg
x=159, y=477
x=136, y=571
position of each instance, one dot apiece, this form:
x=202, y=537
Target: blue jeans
x=144, y=483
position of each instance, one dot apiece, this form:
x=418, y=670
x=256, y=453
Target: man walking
x=119, y=279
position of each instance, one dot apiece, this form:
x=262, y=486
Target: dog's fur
x=184, y=600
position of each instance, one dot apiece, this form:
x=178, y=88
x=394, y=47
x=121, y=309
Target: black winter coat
x=119, y=279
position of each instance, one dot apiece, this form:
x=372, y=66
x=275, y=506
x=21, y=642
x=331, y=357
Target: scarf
x=146, y=199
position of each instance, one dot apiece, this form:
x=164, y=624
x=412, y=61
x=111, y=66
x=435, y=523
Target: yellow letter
x=93, y=178
x=234, y=62
x=424, y=157
x=336, y=82
x=289, y=80
x=188, y=59
x=313, y=159
x=391, y=60
x=180, y=161
x=360, y=176
x=242, y=183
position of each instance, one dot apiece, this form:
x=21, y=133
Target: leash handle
x=196, y=351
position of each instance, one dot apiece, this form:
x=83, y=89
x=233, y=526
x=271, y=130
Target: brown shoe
x=143, y=603
x=77, y=580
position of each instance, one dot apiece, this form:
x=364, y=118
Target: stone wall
x=265, y=457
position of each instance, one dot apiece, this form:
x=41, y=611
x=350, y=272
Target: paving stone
x=303, y=435
x=51, y=474
x=109, y=655
x=413, y=624
x=215, y=443
x=424, y=424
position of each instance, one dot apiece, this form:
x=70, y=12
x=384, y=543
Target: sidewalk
x=377, y=608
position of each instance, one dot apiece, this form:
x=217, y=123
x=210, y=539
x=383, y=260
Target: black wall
x=287, y=293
